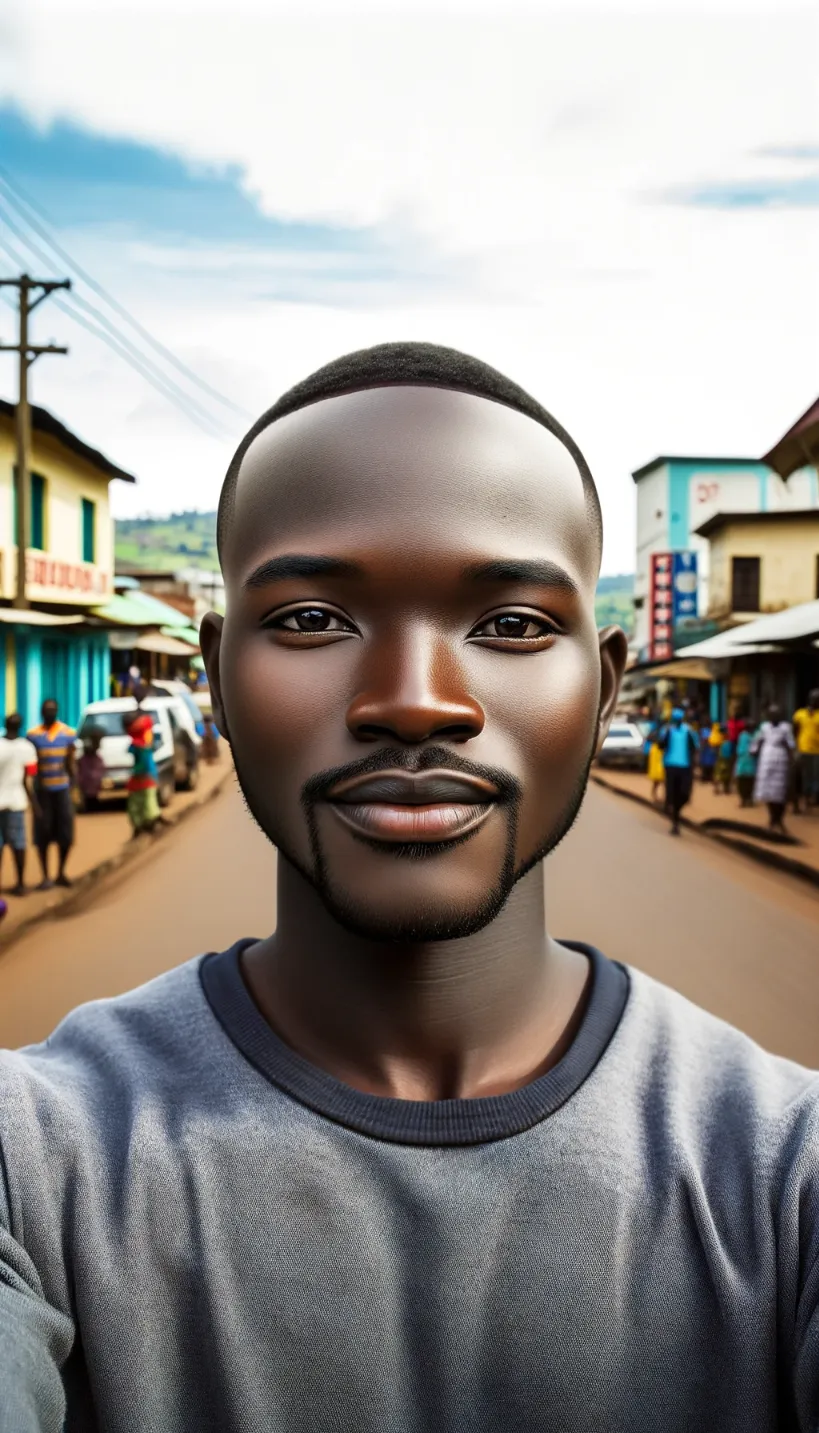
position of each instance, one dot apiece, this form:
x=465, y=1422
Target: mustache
x=428, y=758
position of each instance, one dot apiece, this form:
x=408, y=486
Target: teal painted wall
x=73, y=669
x=679, y=494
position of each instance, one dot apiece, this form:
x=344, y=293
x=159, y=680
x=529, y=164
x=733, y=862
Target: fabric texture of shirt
x=53, y=745
x=18, y=759
x=680, y=745
x=773, y=745
x=807, y=726
x=145, y=774
x=746, y=761
x=199, y=1230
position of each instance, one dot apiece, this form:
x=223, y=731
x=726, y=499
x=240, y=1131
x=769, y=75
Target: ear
x=210, y=639
x=613, y=658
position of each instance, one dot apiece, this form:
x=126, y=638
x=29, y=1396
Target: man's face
x=409, y=671
x=49, y=713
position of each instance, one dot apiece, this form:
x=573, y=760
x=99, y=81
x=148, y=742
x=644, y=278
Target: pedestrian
x=54, y=810
x=679, y=753
x=745, y=768
x=91, y=768
x=143, y=801
x=707, y=752
x=656, y=767
x=773, y=747
x=725, y=764
x=210, y=742
x=408, y=1162
x=806, y=731
x=18, y=767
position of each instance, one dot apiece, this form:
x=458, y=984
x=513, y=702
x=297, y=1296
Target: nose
x=413, y=694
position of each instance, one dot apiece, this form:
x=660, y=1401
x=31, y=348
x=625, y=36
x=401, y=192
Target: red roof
x=799, y=446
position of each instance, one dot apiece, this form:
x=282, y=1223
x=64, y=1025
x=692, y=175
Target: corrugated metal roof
x=140, y=609
x=44, y=422
x=798, y=447
x=795, y=624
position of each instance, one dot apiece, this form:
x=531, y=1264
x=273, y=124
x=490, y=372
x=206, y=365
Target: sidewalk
x=722, y=818
x=102, y=844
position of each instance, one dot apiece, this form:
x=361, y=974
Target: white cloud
x=524, y=148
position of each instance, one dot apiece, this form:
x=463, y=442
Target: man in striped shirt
x=54, y=809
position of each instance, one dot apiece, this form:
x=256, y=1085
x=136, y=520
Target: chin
x=411, y=923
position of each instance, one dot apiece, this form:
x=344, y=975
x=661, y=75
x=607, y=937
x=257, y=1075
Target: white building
x=676, y=495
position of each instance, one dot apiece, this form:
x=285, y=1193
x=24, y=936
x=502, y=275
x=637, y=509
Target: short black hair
x=388, y=365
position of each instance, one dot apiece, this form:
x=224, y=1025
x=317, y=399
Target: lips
x=400, y=806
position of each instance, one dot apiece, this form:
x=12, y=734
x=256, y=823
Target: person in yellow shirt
x=806, y=731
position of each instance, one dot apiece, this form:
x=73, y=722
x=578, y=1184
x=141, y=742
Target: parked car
x=624, y=746
x=171, y=748
x=166, y=686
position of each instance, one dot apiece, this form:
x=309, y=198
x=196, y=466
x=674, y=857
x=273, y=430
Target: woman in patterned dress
x=773, y=746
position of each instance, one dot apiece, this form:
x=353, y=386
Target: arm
x=71, y=765
x=35, y=1341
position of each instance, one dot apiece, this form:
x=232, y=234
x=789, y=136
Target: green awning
x=140, y=609
x=183, y=634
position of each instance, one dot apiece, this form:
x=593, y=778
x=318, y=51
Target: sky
x=619, y=208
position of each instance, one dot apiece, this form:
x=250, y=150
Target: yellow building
x=761, y=562
x=53, y=650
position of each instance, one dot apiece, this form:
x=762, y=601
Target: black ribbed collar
x=420, y=1122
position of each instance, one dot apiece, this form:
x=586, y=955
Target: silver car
x=624, y=746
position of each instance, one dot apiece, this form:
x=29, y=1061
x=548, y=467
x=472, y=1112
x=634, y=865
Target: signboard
x=661, y=607
x=48, y=579
x=684, y=570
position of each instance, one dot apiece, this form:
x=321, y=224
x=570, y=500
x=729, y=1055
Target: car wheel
x=165, y=790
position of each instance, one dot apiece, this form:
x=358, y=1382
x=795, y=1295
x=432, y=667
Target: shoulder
x=716, y=1092
x=36, y=731
x=77, y=1095
x=67, y=733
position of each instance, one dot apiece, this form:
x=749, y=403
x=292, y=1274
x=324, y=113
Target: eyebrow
x=540, y=571
x=297, y=564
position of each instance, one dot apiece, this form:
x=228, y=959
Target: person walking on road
x=679, y=744
x=407, y=1162
x=745, y=768
x=723, y=771
x=707, y=751
x=806, y=731
x=18, y=767
x=656, y=767
x=54, y=810
x=143, y=801
x=773, y=747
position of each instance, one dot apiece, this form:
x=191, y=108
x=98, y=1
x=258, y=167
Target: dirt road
x=735, y=938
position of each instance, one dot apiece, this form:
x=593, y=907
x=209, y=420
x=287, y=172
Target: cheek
x=279, y=702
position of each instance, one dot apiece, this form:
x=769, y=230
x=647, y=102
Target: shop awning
x=27, y=617
x=689, y=671
x=140, y=609
x=184, y=634
x=158, y=642
x=795, y=624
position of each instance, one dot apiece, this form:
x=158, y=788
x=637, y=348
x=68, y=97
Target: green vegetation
x=185, y=539
x=188, y=539
x=614, y=602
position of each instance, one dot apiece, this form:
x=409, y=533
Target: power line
x=124, y=348
x=21, y=202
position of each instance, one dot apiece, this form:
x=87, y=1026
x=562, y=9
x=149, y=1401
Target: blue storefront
x=73, y=667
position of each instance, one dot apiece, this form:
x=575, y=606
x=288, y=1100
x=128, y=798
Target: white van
x=109, y=718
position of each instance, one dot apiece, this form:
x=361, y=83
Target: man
x=18, y=766
x=54, y=809
x=408, y=1163
x=680, y=745
x=806, y=732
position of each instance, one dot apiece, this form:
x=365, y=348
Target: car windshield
x=109, y=723
x=621, y=732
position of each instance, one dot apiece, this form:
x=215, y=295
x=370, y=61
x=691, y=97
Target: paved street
x=740, y=940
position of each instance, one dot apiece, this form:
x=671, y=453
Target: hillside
x=188, y=539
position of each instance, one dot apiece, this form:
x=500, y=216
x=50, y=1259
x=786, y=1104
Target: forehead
x=436, y=472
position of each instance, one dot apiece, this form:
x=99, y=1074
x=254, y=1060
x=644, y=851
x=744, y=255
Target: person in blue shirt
x=680, y=746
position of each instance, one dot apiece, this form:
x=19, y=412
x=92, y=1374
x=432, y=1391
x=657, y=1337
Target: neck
x=451, y=1019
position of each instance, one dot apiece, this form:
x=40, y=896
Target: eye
x=516, y=627
x=309, y=621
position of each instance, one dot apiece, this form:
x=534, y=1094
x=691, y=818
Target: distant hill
x=185, y=539
x=188, y=539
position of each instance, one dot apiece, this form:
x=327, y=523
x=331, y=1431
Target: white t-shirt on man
x=16, y=757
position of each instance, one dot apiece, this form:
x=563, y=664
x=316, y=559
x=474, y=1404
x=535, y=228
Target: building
x=193, y=591
x=676, y=496
x=59, y=648
x=760, y=562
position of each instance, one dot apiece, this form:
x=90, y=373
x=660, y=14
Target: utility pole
x=28, y=352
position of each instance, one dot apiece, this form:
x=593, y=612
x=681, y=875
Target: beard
x=425, y=926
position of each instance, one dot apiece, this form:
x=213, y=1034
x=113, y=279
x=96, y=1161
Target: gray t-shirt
x=202, y=1231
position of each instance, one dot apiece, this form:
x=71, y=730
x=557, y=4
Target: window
x=745, y=584
x=37, y=514
x=89, y=513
